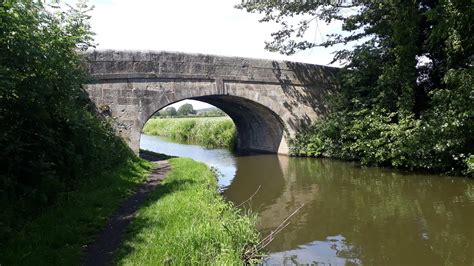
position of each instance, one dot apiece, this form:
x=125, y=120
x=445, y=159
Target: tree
x=404, y=85
x=170, y=111
x=51, y=135
x=186, y=109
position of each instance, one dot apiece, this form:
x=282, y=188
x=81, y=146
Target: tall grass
x=215, y=132
x=59, y=234
x=187, y=222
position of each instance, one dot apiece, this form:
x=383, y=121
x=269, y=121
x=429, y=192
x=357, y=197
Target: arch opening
x=259, y=130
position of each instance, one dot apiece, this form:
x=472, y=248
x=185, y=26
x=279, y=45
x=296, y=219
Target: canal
x=352, y=215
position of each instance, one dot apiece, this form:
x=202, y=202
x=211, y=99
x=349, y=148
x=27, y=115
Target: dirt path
x=100, y=252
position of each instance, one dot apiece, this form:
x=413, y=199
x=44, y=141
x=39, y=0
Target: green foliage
x=470, y=165
x=187, y=221
x=51, y=137
x=209, y=132
x=406, y=97
x=186, y=109
x=441, y=141
x=169, y=112
x=59, y=234
x=211, y=112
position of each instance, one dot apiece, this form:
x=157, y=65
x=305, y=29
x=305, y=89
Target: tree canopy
x=51, y=135
x=407, y=85
x=186, y=109
x=170, y=111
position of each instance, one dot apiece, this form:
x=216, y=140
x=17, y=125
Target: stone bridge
x=267, y=100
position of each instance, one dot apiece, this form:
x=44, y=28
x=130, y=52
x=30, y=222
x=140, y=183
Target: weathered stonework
x=268, y=100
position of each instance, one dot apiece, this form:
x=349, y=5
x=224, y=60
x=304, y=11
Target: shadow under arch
x=259, y=129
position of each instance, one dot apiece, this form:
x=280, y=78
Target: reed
x=210, y=132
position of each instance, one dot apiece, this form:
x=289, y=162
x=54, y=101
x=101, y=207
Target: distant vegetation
x=168, y=112
x=188, y=110
x=218, y=132
x=211, y=112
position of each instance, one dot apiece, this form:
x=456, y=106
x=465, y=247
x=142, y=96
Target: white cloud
x=205, y=26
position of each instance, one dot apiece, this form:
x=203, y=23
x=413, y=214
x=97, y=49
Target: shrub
x=51, y=137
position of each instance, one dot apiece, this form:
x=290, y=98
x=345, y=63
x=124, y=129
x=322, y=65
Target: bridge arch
x=259, y=129
x=269, y=101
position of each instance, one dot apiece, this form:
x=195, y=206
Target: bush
x=440, y=141
x=51, y=137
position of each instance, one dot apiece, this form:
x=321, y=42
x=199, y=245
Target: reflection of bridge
x=284, y=183
x=268, y=100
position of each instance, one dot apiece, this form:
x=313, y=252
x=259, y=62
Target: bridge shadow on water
x=153, y=156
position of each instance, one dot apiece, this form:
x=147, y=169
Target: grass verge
x=210, y=132
x=58, y=235
x=186, y=221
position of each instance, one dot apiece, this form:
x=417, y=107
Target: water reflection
x=386, y=217
x=220, y=159
x=333, y=251
x=352, y=215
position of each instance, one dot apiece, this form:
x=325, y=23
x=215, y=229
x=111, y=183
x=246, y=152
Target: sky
x=205, y=26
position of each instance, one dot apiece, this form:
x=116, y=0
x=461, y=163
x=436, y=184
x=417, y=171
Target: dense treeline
x=188, y=110
x=51, y=138
x=407, y=89
x=211, y=112
x=216, y=132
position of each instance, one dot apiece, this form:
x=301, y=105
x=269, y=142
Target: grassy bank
x=186, y=221
x=58, y=235
x=215, y=132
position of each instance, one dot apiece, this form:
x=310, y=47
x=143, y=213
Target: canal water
x=351, y=215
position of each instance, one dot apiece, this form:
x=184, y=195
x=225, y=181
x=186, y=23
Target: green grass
x=57, y=236
x=186, y=221
x=210, y=132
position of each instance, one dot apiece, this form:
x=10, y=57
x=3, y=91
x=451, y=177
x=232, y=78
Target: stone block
x=268, y=100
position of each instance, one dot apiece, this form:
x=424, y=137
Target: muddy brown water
x=352, y=215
